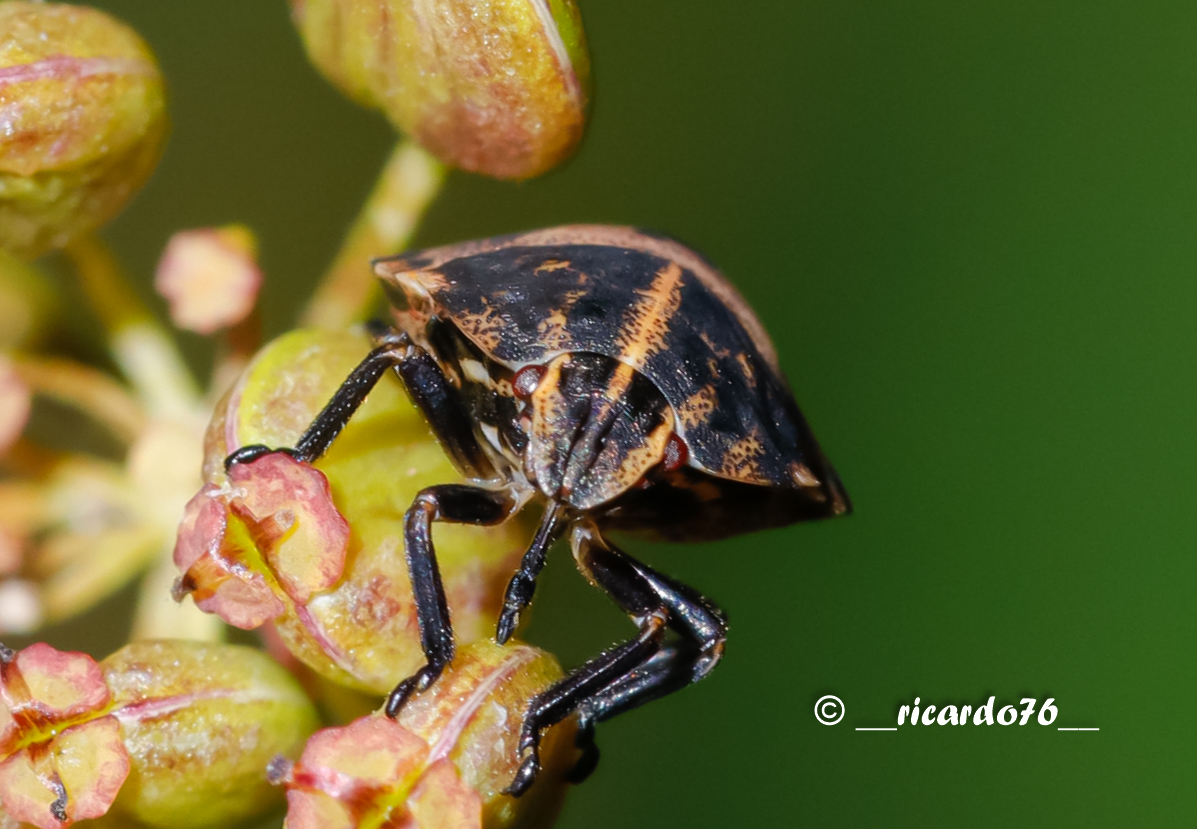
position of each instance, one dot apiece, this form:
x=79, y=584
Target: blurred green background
x=970, y=229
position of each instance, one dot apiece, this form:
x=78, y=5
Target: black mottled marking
x=700, y=349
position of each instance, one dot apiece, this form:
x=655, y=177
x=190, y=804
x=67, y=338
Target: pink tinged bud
x=15, y=401
x=62, y=755
x=82, y=118
x=498, y=88
x=273, y=535
x=210, y=277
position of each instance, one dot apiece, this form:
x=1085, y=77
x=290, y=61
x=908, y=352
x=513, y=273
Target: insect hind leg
x=669, y=669
x=635, y=672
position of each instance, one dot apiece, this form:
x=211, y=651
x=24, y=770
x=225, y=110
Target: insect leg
x=635, y=672
x=453, y=503
x=428, y=388
x=668, y=670
x=523, y=583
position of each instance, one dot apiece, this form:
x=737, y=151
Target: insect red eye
x=526, y=380
x=676, y=454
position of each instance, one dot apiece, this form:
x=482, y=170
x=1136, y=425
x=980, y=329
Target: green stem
x=408, y=183
x=140, y=345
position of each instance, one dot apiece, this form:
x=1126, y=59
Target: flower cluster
x=178, y=728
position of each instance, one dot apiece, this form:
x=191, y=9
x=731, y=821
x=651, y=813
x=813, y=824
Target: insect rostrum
x=617, y=378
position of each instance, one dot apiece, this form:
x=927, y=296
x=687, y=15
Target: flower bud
x=445, y=762
x=210, y=277
x=497, y=87
x=82, y=105
x=200, y=723
x=318, y=548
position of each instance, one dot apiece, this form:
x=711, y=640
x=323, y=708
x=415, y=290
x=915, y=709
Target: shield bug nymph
x=618, y=379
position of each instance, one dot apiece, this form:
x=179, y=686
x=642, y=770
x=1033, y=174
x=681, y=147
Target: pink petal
x=77, y=775
x=373, y=751
x=28, y=794
x=59, y=684
x=203, y=527
x=8, y=726
x=233, y=592
x=209, y=277
x=92, y=762
x=216, y=567
x=442, y=800
x=316, y=810
x=290, y=512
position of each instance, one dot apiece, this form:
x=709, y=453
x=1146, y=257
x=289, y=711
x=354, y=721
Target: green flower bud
x=319, y=550
x=498, y=87
x=201, y=722
x=82, y=109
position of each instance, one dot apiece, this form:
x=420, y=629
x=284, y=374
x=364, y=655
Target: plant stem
x=408, y=183
x=85, y=388
x=141, y=347
x=104, y=284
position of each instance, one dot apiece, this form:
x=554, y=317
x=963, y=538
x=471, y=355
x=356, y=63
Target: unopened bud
x=498, y=87
x=83, y=114
x=445, y=762
x=200, y=723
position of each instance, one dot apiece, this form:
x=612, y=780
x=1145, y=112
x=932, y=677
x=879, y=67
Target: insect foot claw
x=507, y=622
x=417, y=683
x=526, y=775
x=249, y=454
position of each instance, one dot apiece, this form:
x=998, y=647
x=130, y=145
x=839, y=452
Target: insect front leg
x=451, y=503
x=427, y=386
x=638, y=670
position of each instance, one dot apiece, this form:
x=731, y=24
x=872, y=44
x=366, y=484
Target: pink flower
x=376, y=772
x=272, y=535
x=210, y=277
x=62, y=755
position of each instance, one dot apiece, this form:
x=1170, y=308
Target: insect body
x=618, y=379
